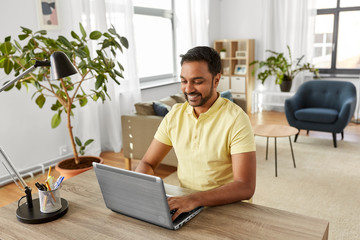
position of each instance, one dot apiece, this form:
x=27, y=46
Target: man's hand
x=182, y=204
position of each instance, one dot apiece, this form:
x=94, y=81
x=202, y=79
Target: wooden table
x=275, y=131
x=88, y=218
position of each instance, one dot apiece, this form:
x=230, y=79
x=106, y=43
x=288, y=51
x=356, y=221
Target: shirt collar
x=213, y=109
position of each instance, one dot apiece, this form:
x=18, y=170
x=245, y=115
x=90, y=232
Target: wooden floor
x=11, y=192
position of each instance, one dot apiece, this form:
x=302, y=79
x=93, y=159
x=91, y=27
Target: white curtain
x=102, y=122
x=286, y=23
x=191, y=24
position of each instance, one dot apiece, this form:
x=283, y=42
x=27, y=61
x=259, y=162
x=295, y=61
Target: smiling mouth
x=192, y=97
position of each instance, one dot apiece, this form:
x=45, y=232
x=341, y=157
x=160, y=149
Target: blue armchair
x=322, y=105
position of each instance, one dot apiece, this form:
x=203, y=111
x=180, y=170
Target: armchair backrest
x=325, y=93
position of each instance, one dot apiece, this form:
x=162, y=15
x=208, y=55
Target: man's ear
x=217, y=80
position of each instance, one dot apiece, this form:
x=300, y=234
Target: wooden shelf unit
x=236, y=71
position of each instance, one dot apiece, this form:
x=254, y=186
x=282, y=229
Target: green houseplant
x=284, y=70
x=67, y=93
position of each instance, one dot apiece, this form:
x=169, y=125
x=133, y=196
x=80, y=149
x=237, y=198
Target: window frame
x=168, y=14
x=336, y=12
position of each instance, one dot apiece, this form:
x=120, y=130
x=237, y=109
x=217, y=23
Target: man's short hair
x=203, y=53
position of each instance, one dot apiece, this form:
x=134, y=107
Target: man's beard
x=204, y=99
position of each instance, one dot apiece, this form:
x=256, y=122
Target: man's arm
x=153, y=156
x=242, y=188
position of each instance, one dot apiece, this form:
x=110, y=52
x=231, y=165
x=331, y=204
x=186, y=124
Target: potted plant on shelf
x=66, y=93
x=223, y=53
x=284, y=70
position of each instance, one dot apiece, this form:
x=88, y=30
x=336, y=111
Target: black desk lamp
x=29, y=212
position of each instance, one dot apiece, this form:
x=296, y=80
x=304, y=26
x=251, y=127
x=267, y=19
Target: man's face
x=198, y=84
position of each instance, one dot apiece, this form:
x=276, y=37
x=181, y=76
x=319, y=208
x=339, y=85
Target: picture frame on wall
x=48, y=16
x=240, y=69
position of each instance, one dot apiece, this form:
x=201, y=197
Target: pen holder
x=50, y=201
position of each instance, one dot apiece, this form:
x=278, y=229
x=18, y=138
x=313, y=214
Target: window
x=337, y=37
x=154, y=39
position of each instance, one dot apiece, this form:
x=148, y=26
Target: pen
x=58, y=182
x=38, y=185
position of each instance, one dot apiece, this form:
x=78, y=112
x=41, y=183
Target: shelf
x=239, y=54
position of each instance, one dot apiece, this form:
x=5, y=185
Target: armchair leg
x=334, y=139
x=307, y=132
x=296, y=136
x=342, y=135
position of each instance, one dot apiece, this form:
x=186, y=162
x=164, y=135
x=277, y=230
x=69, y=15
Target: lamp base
x=35, y=216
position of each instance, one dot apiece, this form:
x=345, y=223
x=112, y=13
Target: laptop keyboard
x=172, y=212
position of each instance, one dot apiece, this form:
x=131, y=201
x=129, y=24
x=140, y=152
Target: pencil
x=49, y=172
x=48, y=186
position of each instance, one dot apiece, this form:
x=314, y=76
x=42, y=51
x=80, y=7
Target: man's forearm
x=228, y=193
x=144, y=167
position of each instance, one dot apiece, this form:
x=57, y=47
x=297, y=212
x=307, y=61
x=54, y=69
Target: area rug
x=324, y=184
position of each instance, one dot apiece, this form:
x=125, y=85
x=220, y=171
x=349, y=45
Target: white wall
x=235, y=19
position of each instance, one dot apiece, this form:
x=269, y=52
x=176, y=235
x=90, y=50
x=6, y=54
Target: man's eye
x=183, y=82
x=198, y=82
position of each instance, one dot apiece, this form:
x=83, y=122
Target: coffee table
x=275, y=131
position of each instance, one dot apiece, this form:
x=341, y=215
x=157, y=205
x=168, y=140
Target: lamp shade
x=61, y=66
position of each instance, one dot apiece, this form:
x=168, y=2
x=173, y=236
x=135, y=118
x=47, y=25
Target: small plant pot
x=68, y=168
x=222, y=55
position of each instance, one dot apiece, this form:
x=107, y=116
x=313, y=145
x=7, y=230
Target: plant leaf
x=40, y=100
x=6, y=48
x=95, y=35
x=56, y=120
x=8, y=66
x=78, y=142
x=88, y=142
x=83, y=101
x=99, y=81
x=124, y=42
x=66, y=42
x=75, y=36
x=83, y=32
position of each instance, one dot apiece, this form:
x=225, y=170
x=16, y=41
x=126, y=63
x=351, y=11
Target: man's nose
x=189, y=87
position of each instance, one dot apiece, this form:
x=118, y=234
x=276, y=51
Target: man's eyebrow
x=194, y=78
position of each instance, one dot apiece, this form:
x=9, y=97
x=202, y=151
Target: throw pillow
x=168, y=101
x=179, y=97
x=227, y=94
x=144, y=108
x=161, y=109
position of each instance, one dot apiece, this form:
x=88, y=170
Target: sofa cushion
x=160, y=108
x=318, y=115
x=168, y=101
x=179, y=97
x=144, y=108
x=227, y=94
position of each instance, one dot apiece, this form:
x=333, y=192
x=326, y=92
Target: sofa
x=138, y=129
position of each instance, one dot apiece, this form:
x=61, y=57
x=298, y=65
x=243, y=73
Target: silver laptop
x=139, y=196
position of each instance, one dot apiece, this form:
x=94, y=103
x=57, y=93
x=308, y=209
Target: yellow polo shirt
x=204, y=145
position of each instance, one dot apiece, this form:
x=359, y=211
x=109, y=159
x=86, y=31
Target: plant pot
x=68, y=168
x=222, y=55
x=285, y=86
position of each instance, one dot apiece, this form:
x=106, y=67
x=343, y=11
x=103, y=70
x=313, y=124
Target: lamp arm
x=38, y=63
x=11, y=165
x=8, y=84
x=21, y=180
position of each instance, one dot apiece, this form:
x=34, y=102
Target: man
x=212, y=138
